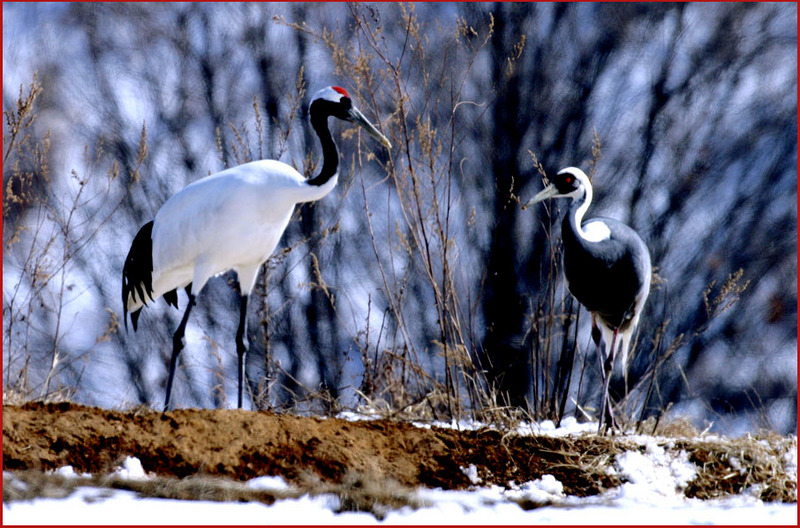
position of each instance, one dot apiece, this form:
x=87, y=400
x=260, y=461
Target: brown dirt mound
x=246, y=444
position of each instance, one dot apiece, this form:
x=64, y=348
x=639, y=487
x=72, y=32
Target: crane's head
x=335, y=101
x=568, y=183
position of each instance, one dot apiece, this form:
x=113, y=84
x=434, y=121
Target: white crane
x=229, y=220
x=607, y=267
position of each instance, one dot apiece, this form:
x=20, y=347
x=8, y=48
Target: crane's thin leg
x=626, y=342
x=608, y=418
x=241, y=343
x=603, y=425
x=603, y=370
x=177, y=346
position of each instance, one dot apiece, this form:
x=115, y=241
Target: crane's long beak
x=363, y=122
x=544, y=194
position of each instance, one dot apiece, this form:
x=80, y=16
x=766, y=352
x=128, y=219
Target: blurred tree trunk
x=503, y=304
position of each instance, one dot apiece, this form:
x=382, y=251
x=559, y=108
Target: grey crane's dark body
x=231, y=220
x=607, y=276
x=608, y=270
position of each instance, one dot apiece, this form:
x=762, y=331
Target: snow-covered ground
x=652, y=495
x=636, y=504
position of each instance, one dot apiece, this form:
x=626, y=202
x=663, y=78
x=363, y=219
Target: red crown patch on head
x=341, y=91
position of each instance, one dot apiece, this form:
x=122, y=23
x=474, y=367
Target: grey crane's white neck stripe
x=595, y=230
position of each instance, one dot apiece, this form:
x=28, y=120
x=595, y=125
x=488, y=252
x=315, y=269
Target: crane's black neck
x=330, y=155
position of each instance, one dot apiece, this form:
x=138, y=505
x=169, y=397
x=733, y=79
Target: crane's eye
x=568, y=180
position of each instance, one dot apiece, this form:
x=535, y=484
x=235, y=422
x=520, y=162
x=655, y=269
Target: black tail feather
x=134, y=319
x=137, y=274
x=172, y=298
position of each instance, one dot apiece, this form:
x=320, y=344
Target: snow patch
x=268, y=483
x=68, y=472
x=654, y=472
x=131, y=469
x=472, y=474
x=546, y=490
x=568, y=426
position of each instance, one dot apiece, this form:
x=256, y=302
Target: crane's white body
x=230, y=220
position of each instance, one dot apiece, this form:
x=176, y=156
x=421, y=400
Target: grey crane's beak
x=359, y=119
x=544, y=194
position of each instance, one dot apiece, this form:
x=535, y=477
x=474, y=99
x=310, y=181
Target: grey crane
x=607, y=268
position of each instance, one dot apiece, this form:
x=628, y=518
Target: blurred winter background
x=420, y=283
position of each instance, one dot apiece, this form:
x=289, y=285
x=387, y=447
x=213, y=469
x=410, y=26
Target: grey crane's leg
x=602, y=426
x=177, y=345
x=241, y=343
x=596, y=338
x=607, y=419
